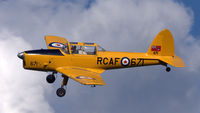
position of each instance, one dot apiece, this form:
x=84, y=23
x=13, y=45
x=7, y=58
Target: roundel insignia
x=125, y=61
x=56, y=44
x=85, y=77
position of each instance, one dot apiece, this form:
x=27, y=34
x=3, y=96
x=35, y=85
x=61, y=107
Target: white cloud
x=21, y=91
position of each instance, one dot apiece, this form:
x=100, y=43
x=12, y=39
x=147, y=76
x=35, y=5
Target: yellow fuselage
x=103, y=60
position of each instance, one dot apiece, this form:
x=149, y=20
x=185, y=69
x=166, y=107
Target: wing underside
x=82, y=75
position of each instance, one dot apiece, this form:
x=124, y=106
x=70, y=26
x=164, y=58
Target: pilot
x=73, y=49
x=64, y=49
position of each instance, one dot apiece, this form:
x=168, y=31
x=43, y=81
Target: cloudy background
x=117, y=25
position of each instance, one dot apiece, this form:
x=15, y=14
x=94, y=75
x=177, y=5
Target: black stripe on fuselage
x=45, y=52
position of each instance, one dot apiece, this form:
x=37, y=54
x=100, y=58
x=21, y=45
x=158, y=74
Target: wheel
x=168, y=69
x=60, y=92
x=50, y=78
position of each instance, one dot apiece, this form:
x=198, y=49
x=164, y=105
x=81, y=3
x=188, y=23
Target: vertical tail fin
x=163, y=47
x=163, y=44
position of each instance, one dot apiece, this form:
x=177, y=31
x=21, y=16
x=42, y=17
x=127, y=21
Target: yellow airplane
x=84, y=62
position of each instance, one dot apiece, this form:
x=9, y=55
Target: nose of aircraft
x=21, y=55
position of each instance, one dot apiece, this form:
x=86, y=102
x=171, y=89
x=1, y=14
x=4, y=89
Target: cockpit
x=82, y=48
x=76, y=48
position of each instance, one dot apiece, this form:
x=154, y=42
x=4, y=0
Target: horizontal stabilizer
x=175, y=61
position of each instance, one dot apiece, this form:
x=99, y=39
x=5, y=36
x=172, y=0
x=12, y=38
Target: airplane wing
x=82, y=75
x=55, y=42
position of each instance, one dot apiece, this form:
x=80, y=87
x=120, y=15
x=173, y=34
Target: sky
x=194, y=6
x=117, y=25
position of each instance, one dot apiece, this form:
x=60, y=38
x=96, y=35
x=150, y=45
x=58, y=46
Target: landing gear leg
x=168, y=69
x=61, y=91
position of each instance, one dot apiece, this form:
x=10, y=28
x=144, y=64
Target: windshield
x=101, y=48
x=65, y=49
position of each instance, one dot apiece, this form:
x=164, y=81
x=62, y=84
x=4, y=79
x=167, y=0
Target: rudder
x=163, y=44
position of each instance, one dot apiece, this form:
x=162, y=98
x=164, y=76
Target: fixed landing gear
x=168, y=69
x=61, y=91
x=51, y=78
